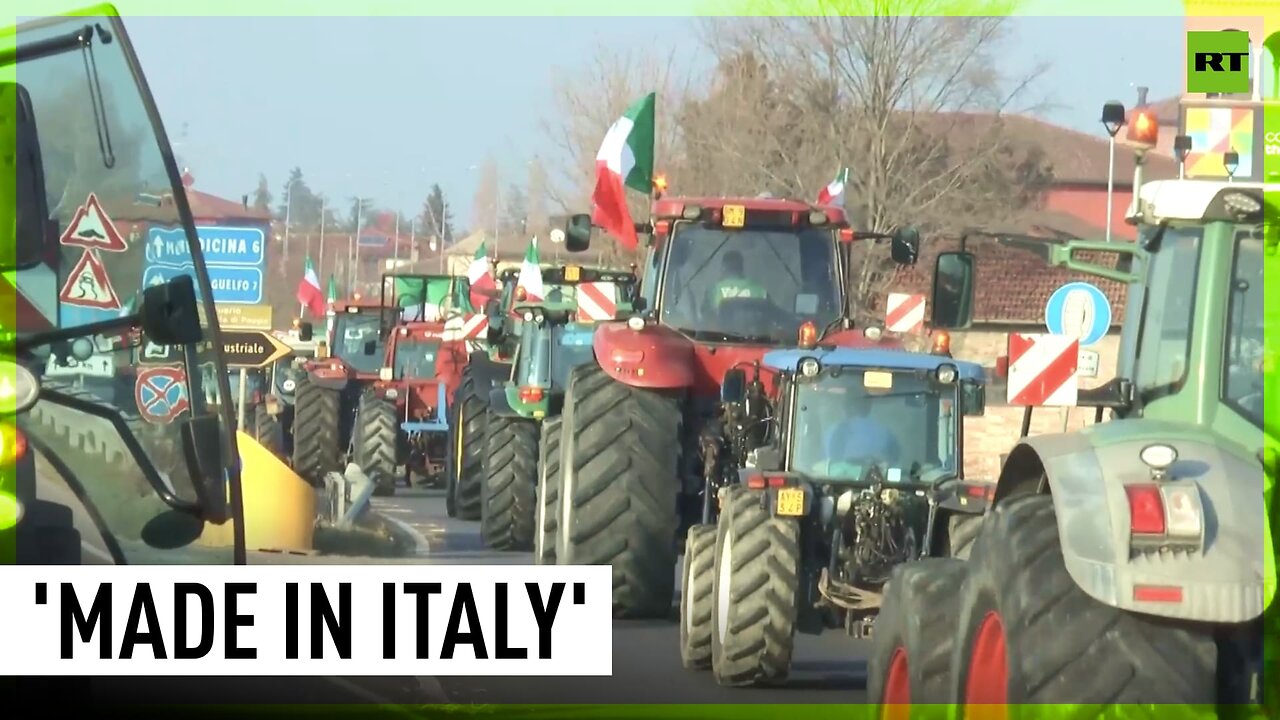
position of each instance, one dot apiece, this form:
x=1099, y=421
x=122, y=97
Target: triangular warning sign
x=92, y=229
x=88, y=285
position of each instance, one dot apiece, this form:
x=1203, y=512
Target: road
x=646, y=656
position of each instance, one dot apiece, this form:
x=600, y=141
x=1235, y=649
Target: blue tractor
x=851, y=464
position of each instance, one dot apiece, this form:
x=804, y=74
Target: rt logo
x=1218, y=61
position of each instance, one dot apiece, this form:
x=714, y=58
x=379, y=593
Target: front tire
x=316, y=450
x=697, y=606
x=756, y=591
x=467, y=443
x=267, y=430
x=911, y=646
x=509, y=510
x=620, y=480
x=1017, y=593
x=544, y=551
x=376, y=434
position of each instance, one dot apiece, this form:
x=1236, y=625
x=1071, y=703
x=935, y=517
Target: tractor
x=853, y=466
x=725, y=280
x=486, y=368
x=404, y=421
x=523, y=413
x=1130, y=561
x=335, y=384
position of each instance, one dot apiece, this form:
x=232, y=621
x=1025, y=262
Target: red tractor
x=725, y=280
x=404, y=423
x=336, y=383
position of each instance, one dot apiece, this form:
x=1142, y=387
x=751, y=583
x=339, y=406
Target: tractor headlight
x=873, y=333
x=288, y=386
x=809, y=367
x=1158, y=457
x=947, y=374
x=528, y=316
x=635, y=323
x=391, y=394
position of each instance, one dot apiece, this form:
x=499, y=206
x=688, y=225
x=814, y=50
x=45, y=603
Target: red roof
x=211, y=207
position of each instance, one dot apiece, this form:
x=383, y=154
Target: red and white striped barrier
x=1042, y=370
x=904, y=313
x=597, y=301
x=465, y=327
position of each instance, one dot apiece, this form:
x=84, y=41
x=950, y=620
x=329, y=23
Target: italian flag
x=480, y=278
x=531, y=274
x=309, y=293
x=833, y=193
x=333, y=300
x=625, y=161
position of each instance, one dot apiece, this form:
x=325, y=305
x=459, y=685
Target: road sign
x=88, y=285
x=245, y=247
x=904, y=313
x=231, y=285
x=1079, y=309
x=252, y=348
x=1088, y=366
x=161, y=394
x=150, y=353
x=596, y=301
x=1042, y=369
x=91, y=229
x=102, y=366
x=244, y=317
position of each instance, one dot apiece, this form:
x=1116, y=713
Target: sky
x=385, y=107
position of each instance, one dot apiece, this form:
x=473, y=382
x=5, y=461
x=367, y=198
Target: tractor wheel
x=376, y=434
x=544, y=550
x=911, y=645
x=467, y=444
x=267, y=430
x=1017, y=593
x=756, y=591
x=620, y=479
x=509, y=510
x=316, y=450
x=697, y=610
x=962, y=531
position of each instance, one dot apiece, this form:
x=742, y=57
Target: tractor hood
x=1218, y=579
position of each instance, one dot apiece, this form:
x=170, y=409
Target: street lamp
x=1112, y=120
x=1231, y=161
x=1182, y=148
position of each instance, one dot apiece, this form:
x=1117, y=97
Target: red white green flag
x=833, y=193
x=625, y=161
x=531, y=274
x=309, y=293
x=480, y=277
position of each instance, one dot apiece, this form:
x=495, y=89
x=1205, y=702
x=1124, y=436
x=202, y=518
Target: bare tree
x=537, y=219
x=484, y=209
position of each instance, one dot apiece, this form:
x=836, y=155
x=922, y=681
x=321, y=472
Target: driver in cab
x=734, y=283
x=853, y=437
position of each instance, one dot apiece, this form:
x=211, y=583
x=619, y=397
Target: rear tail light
x=1166, y=513
x=760, y=482
x=1146, y=510
x=531, y=394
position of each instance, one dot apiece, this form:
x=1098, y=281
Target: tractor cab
x=357, y=343
x=423, y=298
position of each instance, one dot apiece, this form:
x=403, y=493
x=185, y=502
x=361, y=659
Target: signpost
x=247, y=349
x=236, y=259
x=244, y=317
x=1081, y=310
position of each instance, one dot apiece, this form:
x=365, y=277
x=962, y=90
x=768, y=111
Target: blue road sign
x=231, y=285
x=1079, y=307
x=244, y=247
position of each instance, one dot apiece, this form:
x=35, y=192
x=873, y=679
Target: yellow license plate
x=735, y=216
x=571, y=273
x=791, y=502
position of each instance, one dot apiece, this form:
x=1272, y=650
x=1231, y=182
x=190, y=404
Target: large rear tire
x=544, y=550
x=376, y=434
x=316, y=450
x=1017, y=593
x=467, y=443
x=962, y=531
x=756, y=591
x=509, y=511
x=911, y=646
x=267, y=430
x=620, y=480
x=697, y=606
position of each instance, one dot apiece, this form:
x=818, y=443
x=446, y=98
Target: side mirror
x=371, y=347
x=734, y=387
x=974, y=399
x=170, y=314
x=905, y=245
x=306, y=331
x=953, y=291
x=577, y=233
x=639, y=304
x=30, y=227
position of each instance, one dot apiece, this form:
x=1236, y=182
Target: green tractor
x=523, y=413
x=1131, y=561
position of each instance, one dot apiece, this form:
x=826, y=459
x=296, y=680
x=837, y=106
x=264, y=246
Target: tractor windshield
x=571, y=347
x=357, y=340
x=416, y=357
x=753, y=285
x=847, y=419
x=90, y=128
x=1242, y=383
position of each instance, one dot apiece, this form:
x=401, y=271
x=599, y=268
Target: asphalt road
x=646, y=655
